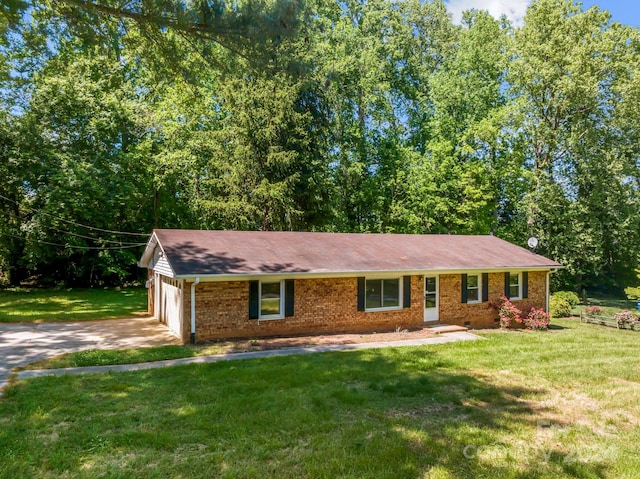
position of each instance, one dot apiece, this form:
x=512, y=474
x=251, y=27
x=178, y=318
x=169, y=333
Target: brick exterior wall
x=482, y=315
x=321, y=306
x=330, y=306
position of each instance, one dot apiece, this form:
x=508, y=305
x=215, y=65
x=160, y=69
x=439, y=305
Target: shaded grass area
x=610, y=305
x=565, y=403
x=28, y=305
x=103, y=357
x=633, y=292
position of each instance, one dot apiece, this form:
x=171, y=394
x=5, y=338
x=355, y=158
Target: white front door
x=431, y=298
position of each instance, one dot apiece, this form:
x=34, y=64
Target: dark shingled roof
x=206, y=252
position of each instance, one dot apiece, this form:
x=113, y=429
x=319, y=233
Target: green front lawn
x=104, y=357
x=565, y=403
x=28, y=305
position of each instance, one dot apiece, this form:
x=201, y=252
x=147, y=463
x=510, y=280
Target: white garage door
x=170, y=308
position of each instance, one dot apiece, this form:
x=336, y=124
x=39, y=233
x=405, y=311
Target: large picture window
x=382, y=294
x=271, y=299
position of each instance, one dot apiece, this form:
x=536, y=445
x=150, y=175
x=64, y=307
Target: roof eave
x=353, y=273
x=147, y=254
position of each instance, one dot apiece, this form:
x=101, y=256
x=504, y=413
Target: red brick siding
x=330, y=305
x=454, y=311
x=321, y=306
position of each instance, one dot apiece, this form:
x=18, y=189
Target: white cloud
x=513, y=9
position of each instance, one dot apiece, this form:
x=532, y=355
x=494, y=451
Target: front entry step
x=445, y=328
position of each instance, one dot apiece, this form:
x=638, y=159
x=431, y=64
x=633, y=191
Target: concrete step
x=445, y=328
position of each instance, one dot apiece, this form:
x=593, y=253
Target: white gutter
x=193, y=309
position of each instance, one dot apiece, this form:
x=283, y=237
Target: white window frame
x=479, y=300
x=280, y=314
x=384, y=278
x=519, y=296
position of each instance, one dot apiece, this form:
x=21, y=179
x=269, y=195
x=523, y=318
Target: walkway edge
x=442, y=338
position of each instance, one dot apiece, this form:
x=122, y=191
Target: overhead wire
x=101, y=248
x=73, y=222
x=90, y=237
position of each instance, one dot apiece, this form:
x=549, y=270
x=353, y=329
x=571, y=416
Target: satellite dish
x=532, y=242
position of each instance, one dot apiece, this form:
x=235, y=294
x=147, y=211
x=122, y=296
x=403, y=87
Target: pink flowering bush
x=625, y=317
x=537, y=319
x=508, y=313
x=593, y=311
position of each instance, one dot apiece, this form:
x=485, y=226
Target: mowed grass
x=102, y=357
x=610, y=305
x=30, y=305
x=565, y=403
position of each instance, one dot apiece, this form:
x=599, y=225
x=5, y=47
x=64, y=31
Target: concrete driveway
x=23, y=343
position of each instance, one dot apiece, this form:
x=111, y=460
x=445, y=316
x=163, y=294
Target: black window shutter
x=464, y=288
x=288, y=297
x=253, y=299
x=361, y=287
x=525, y=284
x=406, y=292
x=506, y=284
x=485, y=286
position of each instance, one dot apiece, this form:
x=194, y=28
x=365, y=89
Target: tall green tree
x=217, y=30
x=268, y=166
x=79, y=134
x=454, y=185
x=572, y=73
x=11, y=240
x=341, y=116
x=377, y=57
x=247, y=153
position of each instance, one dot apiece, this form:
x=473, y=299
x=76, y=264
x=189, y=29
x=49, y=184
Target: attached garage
x=165, y=294
x=170, y=304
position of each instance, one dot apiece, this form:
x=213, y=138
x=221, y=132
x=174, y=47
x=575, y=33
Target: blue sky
x=623, y=11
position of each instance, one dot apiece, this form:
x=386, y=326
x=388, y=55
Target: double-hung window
x=271, y=299
x=383, y=294
x=474, y=285
x=515, y=285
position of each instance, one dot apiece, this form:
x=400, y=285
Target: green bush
x=571, y=297
x=633, y=293
x=559, y=307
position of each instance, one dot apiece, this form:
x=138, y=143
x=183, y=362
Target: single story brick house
x=233, y=284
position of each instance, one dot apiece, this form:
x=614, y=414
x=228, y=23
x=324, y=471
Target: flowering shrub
x=537, y=319
x=625, y=317
x=593, y=311
x=508, y=313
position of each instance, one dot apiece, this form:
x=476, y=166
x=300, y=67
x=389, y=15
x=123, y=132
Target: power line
x=73, y=222
x=105, y=248
x=89, y=237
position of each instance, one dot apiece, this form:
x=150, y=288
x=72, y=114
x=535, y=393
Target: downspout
x=547, y=290
x=193, y=310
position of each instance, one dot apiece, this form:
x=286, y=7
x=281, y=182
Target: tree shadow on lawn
x=613, y=303
x=556, y=327
x=401, y=412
